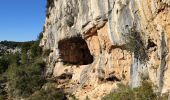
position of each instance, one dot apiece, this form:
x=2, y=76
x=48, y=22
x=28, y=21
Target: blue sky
x=21, y=20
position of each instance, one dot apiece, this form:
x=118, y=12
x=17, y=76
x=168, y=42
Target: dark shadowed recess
x=74, y=50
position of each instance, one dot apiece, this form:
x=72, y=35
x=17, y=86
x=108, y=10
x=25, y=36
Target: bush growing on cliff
x=46, y=52
x=35, y=50
x=50, y=3
x=135, y=44
x=123, y=93
x=143, y=92
x=48, y=94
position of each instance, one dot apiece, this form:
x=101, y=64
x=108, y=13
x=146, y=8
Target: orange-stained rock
x=101, y=61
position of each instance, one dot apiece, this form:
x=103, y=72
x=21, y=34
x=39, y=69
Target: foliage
x=135, y=44
x=2, y=92
x=35, y=50
x=24, y=72
x=124, y=93
x=31, y=51
x=50, y=3
x=25, y=80
x=143, y=92
x=25, y=51
x=164, y=96
x=3, y=65
x=24, y=57
x=40, y=36
x=73, y=97
x=48, y=94
x=12, y=44
x=46, y=52
x=8, y=60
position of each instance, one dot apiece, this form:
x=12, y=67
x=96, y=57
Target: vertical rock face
x=88, y=40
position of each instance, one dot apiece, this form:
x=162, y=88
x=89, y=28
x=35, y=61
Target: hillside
x=7, y=47
x=92, y=50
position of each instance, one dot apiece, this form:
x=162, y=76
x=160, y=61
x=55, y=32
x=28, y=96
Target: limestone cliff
x=87, y=39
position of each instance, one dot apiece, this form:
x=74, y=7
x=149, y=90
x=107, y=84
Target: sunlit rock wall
x=103, y=24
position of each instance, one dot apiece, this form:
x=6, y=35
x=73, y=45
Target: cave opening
x=75, y=51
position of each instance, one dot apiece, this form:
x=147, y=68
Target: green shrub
x=143, y=92
x=164, y=96
x=7, y=60
x=123, y=93
x=24, y=57
x=50, y=3
x=25, y=80
x=40, y=36
x=135, y=44
x=48, y=94
x=13, y=44
x=3, y=65
x=36, y=50
x=46, y=52
x=24, y=70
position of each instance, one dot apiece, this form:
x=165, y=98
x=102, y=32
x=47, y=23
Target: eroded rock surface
x=88, y=41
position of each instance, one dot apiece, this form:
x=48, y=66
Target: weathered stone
x=103, y=25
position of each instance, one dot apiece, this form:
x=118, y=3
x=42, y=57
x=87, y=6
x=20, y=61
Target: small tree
x=135, y=44
x=36, y=51
x=48, y=94
x=143, y=92
x=25, y=80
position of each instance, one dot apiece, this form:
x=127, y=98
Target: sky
x=21, y=20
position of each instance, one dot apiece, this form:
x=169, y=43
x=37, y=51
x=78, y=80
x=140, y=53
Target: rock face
x=88, y=40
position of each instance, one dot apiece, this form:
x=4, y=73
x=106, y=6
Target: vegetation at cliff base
x=48, y=94
x=143, y=92
x=22, y=73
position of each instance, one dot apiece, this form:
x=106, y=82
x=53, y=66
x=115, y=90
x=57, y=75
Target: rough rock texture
x=88, y=41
